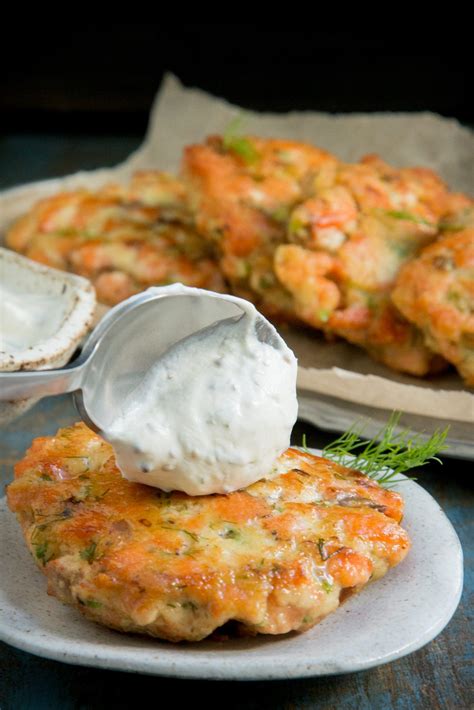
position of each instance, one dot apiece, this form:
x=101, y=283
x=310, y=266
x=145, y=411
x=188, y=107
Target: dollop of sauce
x=213, y=414
x=27, y=319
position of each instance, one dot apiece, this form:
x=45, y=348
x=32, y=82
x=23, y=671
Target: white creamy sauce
x=213, y=413
x=27, y=319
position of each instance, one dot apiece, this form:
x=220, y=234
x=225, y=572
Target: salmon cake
x=313, y=240
x=347, y=243
x=123, y=238
x=273, y=558
x=241, y=190
x=436, y=292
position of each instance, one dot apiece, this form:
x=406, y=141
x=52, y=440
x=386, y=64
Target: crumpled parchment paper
x=181, y=116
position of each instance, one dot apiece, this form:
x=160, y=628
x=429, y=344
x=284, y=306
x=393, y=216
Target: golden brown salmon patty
x=241, y=191
x=276, y=557
x=123, y=238
x=436, y=293
x=348, y=243
x=315, y=240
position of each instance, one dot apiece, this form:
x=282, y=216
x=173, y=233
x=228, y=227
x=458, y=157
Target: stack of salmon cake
x=379, y=256
x=324, y=242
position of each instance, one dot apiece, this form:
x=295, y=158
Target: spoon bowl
x=124, y=346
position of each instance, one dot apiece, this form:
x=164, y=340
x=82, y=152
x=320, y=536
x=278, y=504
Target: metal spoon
x=123, y=347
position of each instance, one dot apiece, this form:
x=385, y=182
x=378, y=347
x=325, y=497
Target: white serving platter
x=386, y=621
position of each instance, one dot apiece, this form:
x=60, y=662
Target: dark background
x=101, y=78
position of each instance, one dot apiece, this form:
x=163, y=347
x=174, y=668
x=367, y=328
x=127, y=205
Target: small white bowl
x=76, y=301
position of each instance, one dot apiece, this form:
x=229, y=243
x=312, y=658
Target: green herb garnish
x=239, y=144
x=242, y=269
x=451, y=227
x=389, y=454
x=327, y=586
x=401, y=249
x=164, y=496
x=407, y=217
x=323, y=314
x=88, y=553
x=296, y=226
x=232, y=534
x=41, y=551
x=280, y=214
x=459, y=300
x=458, y=222
x=244, y=149
x=93, y=603
x=266, y=281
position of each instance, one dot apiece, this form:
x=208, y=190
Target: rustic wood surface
x=438, y=676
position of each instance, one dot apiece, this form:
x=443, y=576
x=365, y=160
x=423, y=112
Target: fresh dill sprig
x=89, y=553
x=234, y=128
x=233, y=141
x=304, y=444
x=407, y=217
x=388, y=454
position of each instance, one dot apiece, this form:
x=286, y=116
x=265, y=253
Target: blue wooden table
x=438, y=676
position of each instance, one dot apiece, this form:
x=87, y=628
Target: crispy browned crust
x=276, y=557
x=436, y=293
x=123, y=238
x=313, y=239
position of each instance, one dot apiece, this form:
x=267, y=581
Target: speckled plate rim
x=76, y=291
x=405, y=610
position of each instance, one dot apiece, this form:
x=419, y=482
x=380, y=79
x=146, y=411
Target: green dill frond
x=89, y=553
x=232, y=534
x=407, y=217
x=234, y=128
x=41, y=551
x=323, y=314
x=327, y=586
x=389, y=453
x=238, y=144
x=92, y=603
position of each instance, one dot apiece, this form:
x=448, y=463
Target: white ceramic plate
x=387, y=620
x=333, y=414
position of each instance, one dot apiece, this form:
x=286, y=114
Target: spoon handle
x=39, y=383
